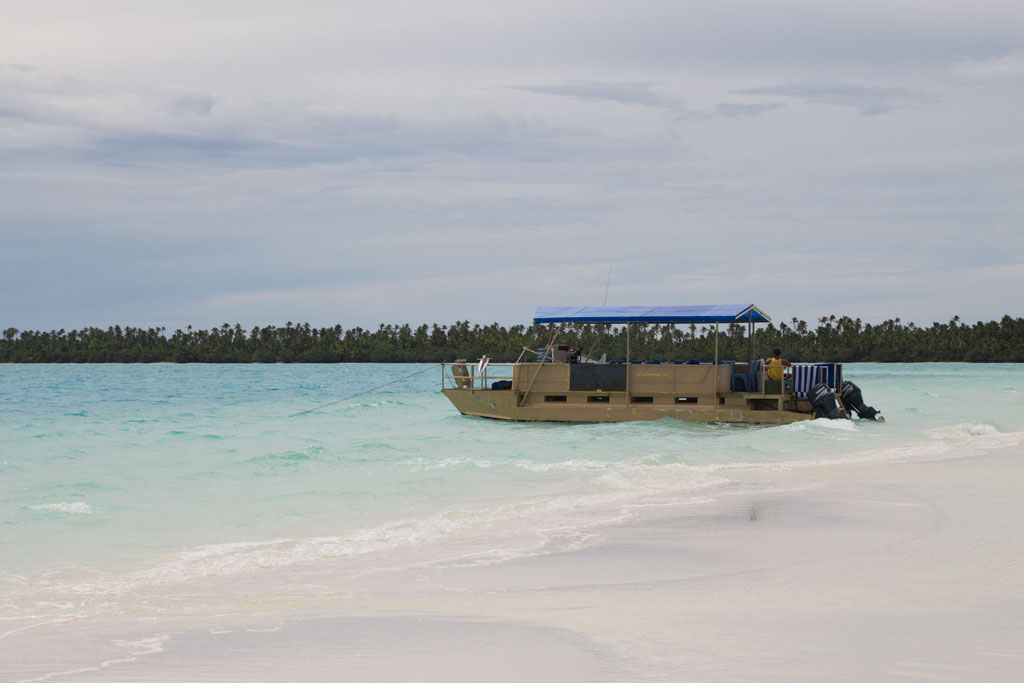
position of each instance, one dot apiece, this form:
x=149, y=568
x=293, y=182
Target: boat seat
x=739, y=382
x=739, y=379
x=461, y=374
x=754, y=376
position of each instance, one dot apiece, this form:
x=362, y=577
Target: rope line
x=368, y=391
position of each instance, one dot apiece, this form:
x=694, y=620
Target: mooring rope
x=368, y=391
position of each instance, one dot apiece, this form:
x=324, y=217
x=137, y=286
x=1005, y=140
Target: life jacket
x=774, y=367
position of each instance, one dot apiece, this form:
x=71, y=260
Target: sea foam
x=69, y=508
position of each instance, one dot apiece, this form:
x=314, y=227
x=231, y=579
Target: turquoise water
x=136, y=475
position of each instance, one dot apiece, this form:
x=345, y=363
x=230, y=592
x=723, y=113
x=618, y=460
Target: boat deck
x=564, y=392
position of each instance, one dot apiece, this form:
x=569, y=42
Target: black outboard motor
x=852, y=398
x=824, y=401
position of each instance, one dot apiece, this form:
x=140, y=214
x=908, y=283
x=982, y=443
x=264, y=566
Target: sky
x=337, y=162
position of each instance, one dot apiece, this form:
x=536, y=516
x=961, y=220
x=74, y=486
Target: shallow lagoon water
x=116, y=479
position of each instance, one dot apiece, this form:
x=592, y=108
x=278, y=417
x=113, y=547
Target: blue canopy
x=724, y=313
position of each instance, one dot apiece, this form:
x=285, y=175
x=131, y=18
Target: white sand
x=909, y=571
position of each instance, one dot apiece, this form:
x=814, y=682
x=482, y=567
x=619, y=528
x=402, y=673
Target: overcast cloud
x=258, y=162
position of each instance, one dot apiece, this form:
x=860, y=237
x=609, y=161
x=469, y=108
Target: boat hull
x=502, y=405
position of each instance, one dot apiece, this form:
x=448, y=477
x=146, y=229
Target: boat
x=560, y=384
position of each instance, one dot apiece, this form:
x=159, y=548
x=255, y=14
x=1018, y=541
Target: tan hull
x=502, y=405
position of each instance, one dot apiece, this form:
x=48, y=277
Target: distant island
x=843, y=339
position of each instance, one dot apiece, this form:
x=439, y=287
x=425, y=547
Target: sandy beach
x=901, y=571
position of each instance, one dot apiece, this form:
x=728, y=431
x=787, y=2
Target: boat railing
x=476, y=376
x=806, y=375
x=483, y=374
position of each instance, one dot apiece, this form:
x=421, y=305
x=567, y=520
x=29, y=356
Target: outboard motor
x=824, y=401
x=852, y=398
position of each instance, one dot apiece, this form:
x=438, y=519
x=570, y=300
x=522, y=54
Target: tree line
x=840, y=339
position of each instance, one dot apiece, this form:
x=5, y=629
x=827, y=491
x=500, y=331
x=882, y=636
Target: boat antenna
x=367, y=391
x=607, y=284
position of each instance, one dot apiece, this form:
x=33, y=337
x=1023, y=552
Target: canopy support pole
x=750, y=339
x=628, y=366
x=715, y=369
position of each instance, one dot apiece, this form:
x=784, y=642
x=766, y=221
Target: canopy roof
x=723, y=313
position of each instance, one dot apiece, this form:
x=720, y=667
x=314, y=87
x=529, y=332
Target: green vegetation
x=842, y=339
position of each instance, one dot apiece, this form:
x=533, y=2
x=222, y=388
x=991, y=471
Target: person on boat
x=774, y=366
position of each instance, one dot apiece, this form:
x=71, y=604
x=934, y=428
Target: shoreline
x=877, y=571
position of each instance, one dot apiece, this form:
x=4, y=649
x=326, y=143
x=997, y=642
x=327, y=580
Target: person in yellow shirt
x=774, y=366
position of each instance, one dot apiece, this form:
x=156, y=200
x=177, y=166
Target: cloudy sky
x=407, y=161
